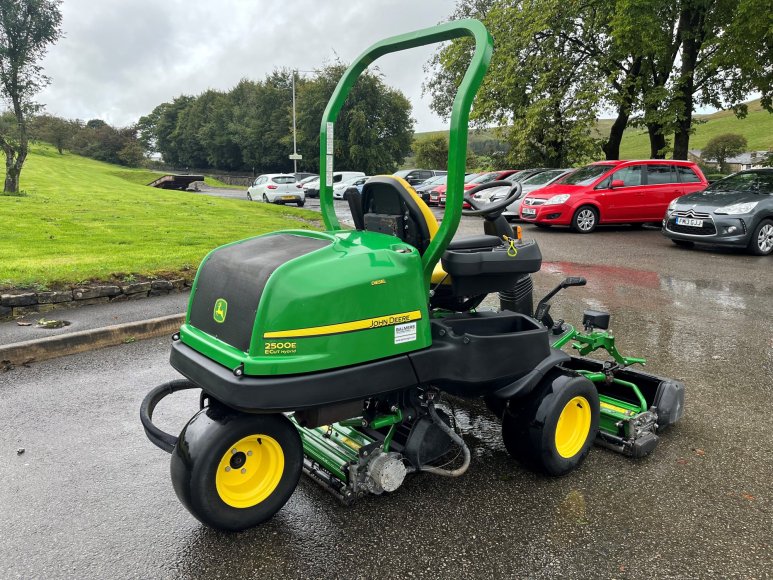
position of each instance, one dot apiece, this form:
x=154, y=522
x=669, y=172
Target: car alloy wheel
x=584, y=221
x=764, y=239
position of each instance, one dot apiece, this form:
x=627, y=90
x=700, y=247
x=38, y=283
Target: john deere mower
x=328, y=352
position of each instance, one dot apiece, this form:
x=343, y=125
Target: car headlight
x=737, y=208
x=557, y=199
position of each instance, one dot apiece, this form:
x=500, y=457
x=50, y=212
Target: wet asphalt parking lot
x=90, y=497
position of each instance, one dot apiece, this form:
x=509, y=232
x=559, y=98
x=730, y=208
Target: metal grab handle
x=460, y=113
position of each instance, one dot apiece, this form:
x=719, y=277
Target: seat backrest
x=391, y=206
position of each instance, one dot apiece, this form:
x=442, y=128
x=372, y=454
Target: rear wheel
x=761, y=243
x=553, y=430
x=684, y=243
x=585, y=220
x=233, y=471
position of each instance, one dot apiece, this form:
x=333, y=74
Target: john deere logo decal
x=221, y=309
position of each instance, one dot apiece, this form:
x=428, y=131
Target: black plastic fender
x=526, y=384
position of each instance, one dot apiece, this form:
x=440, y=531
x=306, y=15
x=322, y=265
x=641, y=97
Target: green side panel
x=359, y=299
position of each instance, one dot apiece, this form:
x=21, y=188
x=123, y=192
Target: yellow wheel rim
x=573, y=427
x=250, y=471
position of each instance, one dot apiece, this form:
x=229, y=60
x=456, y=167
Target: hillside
x=86, y=220
x=757, y=127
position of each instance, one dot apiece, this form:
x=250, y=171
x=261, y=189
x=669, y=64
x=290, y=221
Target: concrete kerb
x=41, y=349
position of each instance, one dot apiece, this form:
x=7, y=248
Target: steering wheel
x=491, y=208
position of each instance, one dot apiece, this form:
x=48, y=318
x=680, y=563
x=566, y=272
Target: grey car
x=735, y=211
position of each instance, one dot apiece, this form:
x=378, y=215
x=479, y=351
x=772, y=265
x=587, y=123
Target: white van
x=312, y=188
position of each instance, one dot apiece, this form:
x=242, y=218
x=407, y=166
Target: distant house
x=750, y=160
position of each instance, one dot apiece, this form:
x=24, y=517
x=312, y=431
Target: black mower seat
x=474, y=243
x=471, y=265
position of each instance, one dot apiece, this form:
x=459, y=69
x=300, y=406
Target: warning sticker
x=405, y=332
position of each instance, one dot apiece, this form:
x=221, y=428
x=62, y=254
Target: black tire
x=529, y=427
x=265, y=198
x=637, y=225
x=301, y=203
x=684, y=243
x=585, y=219
x=761, y=243
x=209, y=477
x=249, y=196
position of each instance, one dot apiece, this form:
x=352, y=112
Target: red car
x=439, y=192
x=612, y=192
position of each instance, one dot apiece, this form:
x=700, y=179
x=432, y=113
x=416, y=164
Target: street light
x=295, y=156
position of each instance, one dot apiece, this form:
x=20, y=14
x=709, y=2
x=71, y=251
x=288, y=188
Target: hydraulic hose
x=456, y=439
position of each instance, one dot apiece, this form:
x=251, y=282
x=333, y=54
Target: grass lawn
x=84, y=220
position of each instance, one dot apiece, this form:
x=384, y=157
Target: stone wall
x=21, y=302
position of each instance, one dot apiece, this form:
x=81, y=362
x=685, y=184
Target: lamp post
x=295, y=155
x=295, y=150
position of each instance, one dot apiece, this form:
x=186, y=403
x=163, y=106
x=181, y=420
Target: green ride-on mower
x=327, y=352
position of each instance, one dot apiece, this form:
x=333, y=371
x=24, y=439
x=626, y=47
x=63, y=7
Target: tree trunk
x=692, y=40
x=657, y=141
x=611, y=146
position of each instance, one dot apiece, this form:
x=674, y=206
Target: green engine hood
x=296, y=301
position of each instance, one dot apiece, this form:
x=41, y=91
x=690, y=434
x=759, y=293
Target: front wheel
x=249, y=196
x=761, y=243
x=233, y=471
x=265, y=198
x=585, y=220
x=301, y=203
x=553, y=429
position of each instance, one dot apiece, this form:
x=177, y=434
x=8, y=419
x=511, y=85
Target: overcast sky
x=119, y=59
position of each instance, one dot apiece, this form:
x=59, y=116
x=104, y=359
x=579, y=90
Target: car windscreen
x=585, y=175
x=542, y=178
x=402, y=173
x=283, y=179
x=484, y=178
x=748, y=181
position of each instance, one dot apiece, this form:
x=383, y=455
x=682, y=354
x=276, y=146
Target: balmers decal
x=353, y=326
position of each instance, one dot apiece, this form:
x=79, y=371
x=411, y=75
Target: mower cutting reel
x=329, y=352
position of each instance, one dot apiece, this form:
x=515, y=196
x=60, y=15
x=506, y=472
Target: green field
x=757, y=127
x=82, y=220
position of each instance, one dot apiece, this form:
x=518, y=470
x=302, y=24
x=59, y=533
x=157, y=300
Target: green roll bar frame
x=460, y=114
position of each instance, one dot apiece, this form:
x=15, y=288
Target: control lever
x=542, y=313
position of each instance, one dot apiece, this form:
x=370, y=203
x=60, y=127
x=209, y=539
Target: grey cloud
x=119, y=59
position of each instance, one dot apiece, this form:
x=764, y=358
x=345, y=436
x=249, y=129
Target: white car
x=533, y=183
x=276, y=188
x=356, y=182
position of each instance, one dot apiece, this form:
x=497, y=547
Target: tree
x=27, y=27
x=54, y=130
x=374, y=130
x=722, y=147
x=431, y=151
x=541, y=91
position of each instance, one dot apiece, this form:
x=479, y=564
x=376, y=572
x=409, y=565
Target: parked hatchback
x=612, y=192
x=276, y=188
x=735, y=211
